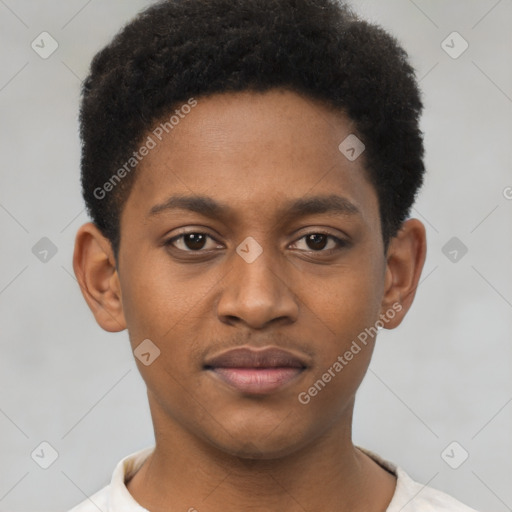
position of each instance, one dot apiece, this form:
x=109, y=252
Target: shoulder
x=115, y=495
x=411, y=496
x=98, y=501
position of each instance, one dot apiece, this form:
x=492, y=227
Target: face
x=247, y=226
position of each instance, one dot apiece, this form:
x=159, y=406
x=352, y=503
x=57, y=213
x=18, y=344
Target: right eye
x=191, y=241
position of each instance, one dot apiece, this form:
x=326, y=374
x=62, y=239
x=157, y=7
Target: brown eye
x=194, y=241
x=316, y=241
x=190, y=242
x=319, y=242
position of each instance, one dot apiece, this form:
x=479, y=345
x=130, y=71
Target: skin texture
x=219, y=449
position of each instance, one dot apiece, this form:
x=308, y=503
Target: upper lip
x=246, y=357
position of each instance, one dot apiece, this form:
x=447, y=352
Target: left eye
x=318, y=242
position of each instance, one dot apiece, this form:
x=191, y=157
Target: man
x=249, y=167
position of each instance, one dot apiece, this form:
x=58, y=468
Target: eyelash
x=339, y=242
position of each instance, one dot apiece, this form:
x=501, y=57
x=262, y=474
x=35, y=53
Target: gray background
x=444, y=375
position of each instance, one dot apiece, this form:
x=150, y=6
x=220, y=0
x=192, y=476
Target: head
x=249, y=167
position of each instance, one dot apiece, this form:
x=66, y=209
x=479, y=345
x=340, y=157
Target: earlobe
x=94, y=266
x=405, y=259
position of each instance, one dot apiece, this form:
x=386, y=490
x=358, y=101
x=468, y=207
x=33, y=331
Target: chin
x=252, y=444
x=249, y=451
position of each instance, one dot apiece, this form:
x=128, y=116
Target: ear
x=95, y=270
x=405, y=258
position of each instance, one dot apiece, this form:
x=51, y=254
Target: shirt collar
x=119, y=498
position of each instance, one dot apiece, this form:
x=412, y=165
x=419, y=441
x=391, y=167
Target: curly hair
x=178, y=49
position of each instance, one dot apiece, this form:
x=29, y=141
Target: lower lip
x=257, y=381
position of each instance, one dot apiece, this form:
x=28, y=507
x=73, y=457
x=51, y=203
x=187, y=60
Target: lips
x=256, y=372
x=245, y=357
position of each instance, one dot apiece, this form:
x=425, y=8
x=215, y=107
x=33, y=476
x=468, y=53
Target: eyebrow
x=208, y=207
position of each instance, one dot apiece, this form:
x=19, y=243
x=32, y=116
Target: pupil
x=194, y=240
x=315, y=239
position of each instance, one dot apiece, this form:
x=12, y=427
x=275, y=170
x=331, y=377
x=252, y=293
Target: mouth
x=257, y=372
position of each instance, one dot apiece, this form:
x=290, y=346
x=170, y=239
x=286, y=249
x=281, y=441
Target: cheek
x=346, y=309
x=153, y=296
x=156, y=310
x=348, y=301
x=163, y=307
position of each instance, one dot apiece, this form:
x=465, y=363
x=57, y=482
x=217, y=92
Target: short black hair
x=175, y=50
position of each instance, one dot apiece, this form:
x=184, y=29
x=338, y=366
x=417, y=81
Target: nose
x=257, y=293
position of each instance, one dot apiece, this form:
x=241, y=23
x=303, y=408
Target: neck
x=185, y=472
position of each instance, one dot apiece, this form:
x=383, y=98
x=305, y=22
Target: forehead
x=254, y=151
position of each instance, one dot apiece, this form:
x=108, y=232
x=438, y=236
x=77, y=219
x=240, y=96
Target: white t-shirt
x=409, y=496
